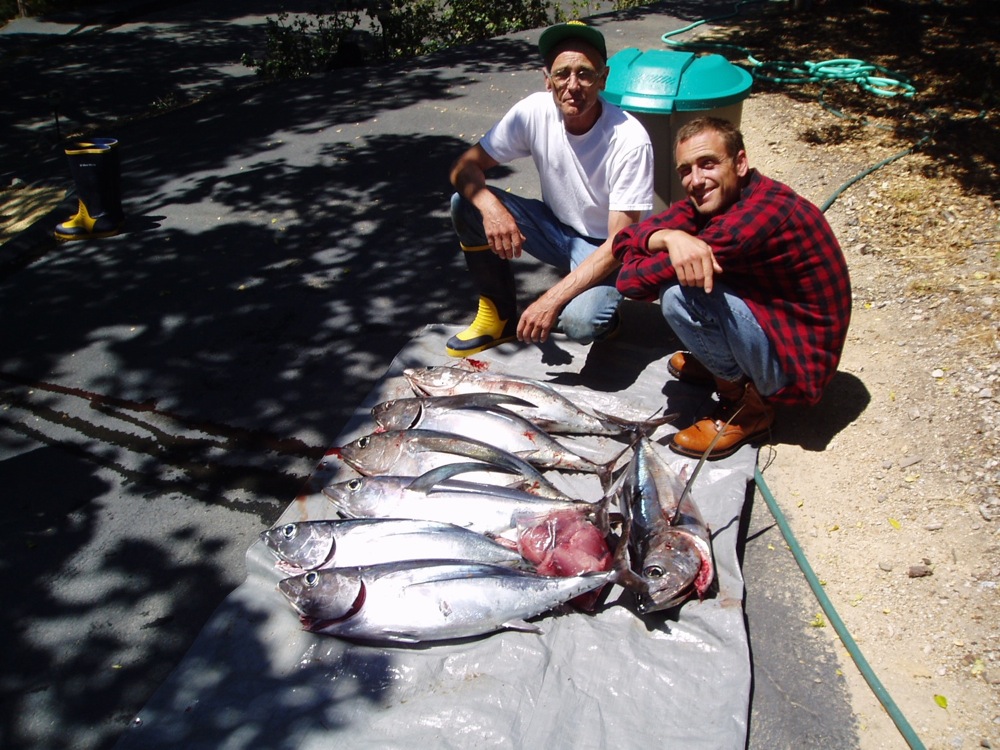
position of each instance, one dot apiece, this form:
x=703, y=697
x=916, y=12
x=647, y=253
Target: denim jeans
x=590, y=313
x=722, y=333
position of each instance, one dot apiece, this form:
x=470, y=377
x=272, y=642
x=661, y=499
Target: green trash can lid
x=663, y=81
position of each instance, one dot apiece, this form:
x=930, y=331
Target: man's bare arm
x=468, y=175
x=540, y=317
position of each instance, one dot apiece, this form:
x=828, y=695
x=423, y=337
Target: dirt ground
x=892, y=484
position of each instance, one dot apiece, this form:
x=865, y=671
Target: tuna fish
x=312, y=545
x=669, y=544
x=550, y=410
x=486, y=509
x=414, y=452
x=481, y=418
x=415, y=602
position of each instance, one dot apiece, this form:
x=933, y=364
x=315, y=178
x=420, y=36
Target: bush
x=397, y=29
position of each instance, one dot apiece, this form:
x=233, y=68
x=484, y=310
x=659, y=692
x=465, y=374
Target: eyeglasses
x=586, y=77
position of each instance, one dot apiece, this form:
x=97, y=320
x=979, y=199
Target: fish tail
x=642, y=426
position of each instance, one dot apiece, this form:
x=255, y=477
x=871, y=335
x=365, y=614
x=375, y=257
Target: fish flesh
x=312, y=545
x=413, y=602
x=565, y=543
x=473, y=416
x=549, y=410
x=414, y=452
x=434, y=496
x=669, y=544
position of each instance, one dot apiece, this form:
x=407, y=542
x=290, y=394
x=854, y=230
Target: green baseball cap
x=553, y=35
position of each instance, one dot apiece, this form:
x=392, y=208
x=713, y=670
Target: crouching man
x=751, y=279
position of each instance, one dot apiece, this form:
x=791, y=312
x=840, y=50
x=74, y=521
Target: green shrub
x=300, y=45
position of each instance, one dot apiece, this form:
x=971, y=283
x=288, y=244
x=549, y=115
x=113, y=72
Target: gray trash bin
x=665, y=89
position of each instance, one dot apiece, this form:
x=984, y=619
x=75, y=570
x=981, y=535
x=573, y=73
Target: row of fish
x=452, y=529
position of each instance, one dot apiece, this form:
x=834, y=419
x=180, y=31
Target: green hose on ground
x=831, y=613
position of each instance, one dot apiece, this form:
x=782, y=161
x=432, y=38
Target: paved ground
x=165, y=392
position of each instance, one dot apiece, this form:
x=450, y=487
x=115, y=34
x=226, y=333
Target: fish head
x=325, y=595
x=397, y=414
x=670, y=568
x=306, y=545
x=373, y=454
x=361, y=497
x=434, y=380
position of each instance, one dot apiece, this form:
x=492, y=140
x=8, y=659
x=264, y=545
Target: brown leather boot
x=687, y=369
x=751, y=422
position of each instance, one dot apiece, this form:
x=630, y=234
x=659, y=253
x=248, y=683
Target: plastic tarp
x=680, y=678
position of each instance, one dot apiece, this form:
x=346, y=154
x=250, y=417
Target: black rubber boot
x=496, y=319
x=95, y=165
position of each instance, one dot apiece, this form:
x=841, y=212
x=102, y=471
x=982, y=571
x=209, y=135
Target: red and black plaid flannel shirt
x=778, y=253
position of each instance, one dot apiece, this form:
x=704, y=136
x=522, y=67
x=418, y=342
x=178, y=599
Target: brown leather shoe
x=687, y=369
x=751, y=422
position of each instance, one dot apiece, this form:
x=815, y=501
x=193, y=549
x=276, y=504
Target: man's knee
x=467, y=221
x=674, y=304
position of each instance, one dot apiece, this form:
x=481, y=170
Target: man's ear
x=742, y=163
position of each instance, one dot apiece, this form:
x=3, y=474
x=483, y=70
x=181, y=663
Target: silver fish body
x=314, y=545
x=502, y=428
x=427, y=601
x=549, y=410
x=416, y=451
x=668, y=541
x=485, y=509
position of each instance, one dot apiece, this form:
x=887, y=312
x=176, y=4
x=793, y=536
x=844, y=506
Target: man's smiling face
x=711, y=177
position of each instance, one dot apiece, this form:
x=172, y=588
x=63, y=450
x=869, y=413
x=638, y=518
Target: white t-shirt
x=583, y=177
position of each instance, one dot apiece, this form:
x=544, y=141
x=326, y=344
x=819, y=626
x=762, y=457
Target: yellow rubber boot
x=496, y=318
x=95, y=165
x=486, y=331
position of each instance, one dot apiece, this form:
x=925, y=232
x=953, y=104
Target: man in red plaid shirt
x=752, y=280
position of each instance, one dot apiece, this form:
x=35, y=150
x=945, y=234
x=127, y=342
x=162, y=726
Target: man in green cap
x=595, y=165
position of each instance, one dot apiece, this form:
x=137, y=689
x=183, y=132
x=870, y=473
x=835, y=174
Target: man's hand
x=502, y=232
x=538, y=320
x=692, y=258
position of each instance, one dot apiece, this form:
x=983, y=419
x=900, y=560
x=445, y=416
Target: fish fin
x=427, y=481
x=522, y=625
x=482, y=400
x=443, y=442
x=701, y=462
x=645, y=426
x=400, y=636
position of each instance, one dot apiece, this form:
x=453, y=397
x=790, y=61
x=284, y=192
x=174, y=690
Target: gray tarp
x=253, y=678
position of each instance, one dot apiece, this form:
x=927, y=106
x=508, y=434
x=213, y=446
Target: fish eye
x=288, y=530
x=355, y=484
x=311, y=579
x=653, y=571
x=363, y=442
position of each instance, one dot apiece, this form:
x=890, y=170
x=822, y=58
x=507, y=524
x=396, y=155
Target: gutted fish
x=434, y=496
x=668, y=542
x=549, y=409
x=414, y=452
x=412, y=602
x=312, y=545
x=474, y=417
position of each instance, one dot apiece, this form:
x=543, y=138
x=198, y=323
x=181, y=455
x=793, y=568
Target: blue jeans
x=722, y=334
x=587, y=315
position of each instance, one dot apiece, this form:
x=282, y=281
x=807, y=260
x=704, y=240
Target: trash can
x=666, y=89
